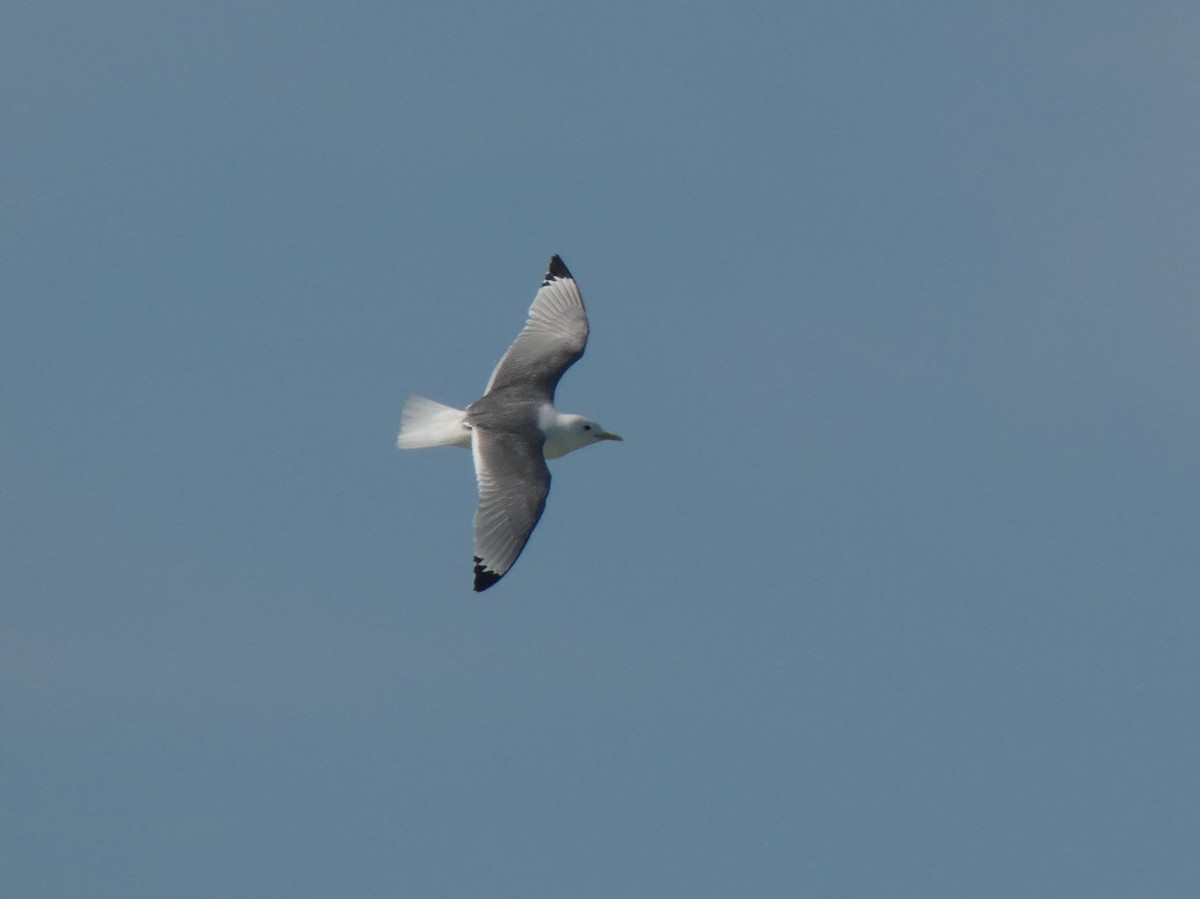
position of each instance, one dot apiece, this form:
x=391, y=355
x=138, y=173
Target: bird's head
x=574, y=432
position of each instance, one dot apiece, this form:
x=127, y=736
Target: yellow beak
x=605, y=435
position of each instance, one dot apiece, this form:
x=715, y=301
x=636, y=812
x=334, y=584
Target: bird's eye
x=587, y=427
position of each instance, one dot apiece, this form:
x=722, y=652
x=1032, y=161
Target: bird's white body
x=427, y=423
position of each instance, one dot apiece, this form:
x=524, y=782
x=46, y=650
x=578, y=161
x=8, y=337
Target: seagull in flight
x=514, y=428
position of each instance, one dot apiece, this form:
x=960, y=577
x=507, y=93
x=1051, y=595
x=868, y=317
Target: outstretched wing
x=553, y=338
x=513, y=484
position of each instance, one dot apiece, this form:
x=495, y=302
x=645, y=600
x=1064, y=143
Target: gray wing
x=513, y=484
x=553, y=338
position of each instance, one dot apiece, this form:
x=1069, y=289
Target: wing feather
x=513, y=485
x=553, y=339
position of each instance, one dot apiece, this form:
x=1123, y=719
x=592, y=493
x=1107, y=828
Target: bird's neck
x=560, y=440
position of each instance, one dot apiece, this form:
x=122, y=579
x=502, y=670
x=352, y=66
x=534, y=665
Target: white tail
x=425, y=423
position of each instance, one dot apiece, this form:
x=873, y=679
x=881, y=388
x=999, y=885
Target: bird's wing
x=513, y=484
x=553, y=338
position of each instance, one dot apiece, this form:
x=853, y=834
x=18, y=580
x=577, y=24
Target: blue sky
x=890, y=590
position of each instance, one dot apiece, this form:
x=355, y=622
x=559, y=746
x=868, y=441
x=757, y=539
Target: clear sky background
x=892, y=589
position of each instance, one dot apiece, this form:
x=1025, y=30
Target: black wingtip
x=483, y=577
x=557, y=269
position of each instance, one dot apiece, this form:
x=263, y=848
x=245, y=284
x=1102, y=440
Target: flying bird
x=514, y=428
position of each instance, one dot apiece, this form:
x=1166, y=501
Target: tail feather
x=425, y=423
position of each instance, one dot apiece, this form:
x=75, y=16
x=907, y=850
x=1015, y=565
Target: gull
x=514, y=428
